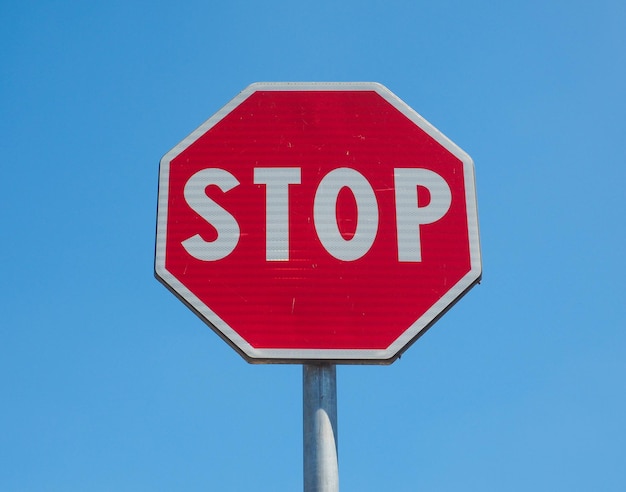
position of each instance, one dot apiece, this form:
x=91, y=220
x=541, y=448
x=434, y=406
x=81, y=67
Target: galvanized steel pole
x=319, y=390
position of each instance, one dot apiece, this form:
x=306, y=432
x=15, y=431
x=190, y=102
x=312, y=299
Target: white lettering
x=225, y=224
x=409, y=216
x=409, y=183
x=277, y=181
x=325, y=214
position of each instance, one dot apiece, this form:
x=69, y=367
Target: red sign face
x=317, y=222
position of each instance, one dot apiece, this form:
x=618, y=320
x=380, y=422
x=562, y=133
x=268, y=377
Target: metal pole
x=319, y=391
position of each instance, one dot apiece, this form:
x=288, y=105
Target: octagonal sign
x=317, y=222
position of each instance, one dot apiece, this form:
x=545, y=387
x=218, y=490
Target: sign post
x=318, y=224
x=319, y=389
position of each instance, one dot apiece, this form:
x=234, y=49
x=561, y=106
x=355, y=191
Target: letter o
x=325, y=214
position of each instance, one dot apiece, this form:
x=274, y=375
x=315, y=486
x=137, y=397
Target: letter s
x=227, y=228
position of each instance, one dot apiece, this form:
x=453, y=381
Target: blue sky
x=108, y=382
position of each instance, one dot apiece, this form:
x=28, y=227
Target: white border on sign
x=385, y=356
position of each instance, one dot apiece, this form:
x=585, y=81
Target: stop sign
x=317, y=221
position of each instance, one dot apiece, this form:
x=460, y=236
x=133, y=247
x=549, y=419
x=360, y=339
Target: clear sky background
x=109, y=383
